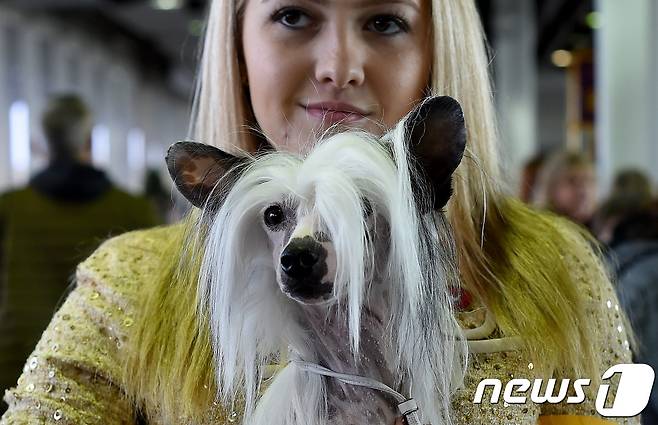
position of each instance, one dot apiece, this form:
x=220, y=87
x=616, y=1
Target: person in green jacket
x=48, y=227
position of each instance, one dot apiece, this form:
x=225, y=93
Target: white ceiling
x=167, y=30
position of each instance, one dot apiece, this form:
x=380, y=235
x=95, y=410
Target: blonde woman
x=567, y=186
x=536, y=301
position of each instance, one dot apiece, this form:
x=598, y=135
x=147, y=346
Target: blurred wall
x=136, y=117
x=515, y=72
x=627, y=86
x=551, y=109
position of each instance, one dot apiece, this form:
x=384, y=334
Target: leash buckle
x=409, y=409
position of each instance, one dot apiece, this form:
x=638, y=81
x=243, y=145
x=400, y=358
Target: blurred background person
x=630, y=192
x=51, y=225
x=634, y=259
x=567, y=186
x=161, y=198
x=529, y=177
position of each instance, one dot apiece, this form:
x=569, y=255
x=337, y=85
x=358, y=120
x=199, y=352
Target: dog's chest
x=356, y=405
x=352, y=404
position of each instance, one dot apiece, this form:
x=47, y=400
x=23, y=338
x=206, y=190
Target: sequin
x=30, y=388
x=57, y=415
x=34, y=362
x=49, y=388
x=233, y=416
x=620, y=329
x=128, y=322
x=55, y=347
x=531, y=366
x=66, y=317
x=609, y=304
x=51, y=374
x=94, y=295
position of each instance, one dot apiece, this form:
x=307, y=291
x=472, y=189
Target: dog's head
x=308, y=214
x=357, y=213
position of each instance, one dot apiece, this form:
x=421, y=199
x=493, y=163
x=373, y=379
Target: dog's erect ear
x=197, y=169
x=436, y=134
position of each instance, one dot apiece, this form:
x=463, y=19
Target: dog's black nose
x=300, y=256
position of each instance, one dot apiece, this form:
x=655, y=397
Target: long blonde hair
x=510, y=256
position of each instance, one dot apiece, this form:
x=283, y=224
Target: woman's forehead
x=359, y=3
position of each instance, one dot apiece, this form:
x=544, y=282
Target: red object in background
x=462, y=297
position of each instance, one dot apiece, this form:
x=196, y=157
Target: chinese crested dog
x=337, y=266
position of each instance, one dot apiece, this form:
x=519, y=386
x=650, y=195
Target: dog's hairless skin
x=327, y=326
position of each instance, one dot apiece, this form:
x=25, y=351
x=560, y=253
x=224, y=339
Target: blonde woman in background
x=536, y=301
x=567, y=186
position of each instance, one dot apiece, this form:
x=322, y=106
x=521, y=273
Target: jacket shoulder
x=127, y=261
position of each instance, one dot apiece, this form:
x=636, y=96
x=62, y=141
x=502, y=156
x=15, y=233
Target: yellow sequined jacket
x=72, y=377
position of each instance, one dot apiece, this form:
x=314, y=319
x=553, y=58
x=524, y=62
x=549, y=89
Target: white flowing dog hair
x=254, y=324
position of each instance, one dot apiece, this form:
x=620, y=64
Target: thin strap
x=406, y=406
x=484, y=330
x=478, y=344
x=496, y=345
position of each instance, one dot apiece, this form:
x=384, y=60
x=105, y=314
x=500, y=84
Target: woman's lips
x=329, y=116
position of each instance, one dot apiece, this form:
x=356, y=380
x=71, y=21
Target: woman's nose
x=339, y=59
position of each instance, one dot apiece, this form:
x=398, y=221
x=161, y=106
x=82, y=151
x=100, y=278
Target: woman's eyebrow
x=365, y=3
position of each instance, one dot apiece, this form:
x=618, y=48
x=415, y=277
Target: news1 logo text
x=633, y=391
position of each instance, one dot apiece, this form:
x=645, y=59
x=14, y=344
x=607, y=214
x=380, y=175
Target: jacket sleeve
x=72, y=377
x=612, y=342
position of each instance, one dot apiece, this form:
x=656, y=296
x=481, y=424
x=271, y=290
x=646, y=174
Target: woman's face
x=313, y=63
x=574, y=193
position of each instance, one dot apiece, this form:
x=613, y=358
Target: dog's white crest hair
x=253, y=323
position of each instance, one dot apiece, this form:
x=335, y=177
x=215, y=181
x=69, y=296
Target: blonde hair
x=510, y=256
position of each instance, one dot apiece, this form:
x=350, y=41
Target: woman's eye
x=273, y=216
x=387, y=25
x=292, y=18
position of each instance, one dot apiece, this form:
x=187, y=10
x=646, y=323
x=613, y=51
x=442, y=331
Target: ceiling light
x=593, y=20
x=562, y=58
x=166, y=4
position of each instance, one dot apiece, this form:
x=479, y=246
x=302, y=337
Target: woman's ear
x=436, y=134
x=201, y=172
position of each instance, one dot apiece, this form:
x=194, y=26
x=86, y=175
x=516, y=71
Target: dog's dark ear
x=436, y=134
x=200, y=170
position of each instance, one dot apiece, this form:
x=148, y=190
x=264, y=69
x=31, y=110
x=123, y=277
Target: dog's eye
x=273, y=216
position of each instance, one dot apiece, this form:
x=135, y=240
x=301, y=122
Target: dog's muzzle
x=304, y=267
